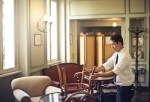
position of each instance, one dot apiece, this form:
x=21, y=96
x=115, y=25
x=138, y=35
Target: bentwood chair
x=81, y=77
x=68, y=88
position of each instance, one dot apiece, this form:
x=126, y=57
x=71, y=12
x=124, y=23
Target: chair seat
x=74, y=87
x=52, y=89
x=69, y=87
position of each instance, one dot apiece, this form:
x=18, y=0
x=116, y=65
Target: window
x=7, y=34
x=52, y=35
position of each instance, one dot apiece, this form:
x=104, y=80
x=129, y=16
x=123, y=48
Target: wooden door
x=108, y=50
x=99, y=49
x=87, y=49
x=103, y=47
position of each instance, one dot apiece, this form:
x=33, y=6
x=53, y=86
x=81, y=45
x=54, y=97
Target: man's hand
x=95, y=75
x=88, y=70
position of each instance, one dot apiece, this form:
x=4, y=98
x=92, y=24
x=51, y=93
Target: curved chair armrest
x=52, y=89
x=77, y=77
x=75, y=87
x=21, y=96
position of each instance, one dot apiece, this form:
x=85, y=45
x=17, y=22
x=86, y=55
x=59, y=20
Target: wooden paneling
x=99, y=50
x=87, y=49
x=108, y=49
x=104, y=49
x=95, y=7
x=37, y=9
x=90, y=51
x=82, y=50
x=95, y=49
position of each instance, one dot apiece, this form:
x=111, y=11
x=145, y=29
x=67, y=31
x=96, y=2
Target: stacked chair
x=79, y=89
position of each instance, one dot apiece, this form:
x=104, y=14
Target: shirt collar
x=121, y=51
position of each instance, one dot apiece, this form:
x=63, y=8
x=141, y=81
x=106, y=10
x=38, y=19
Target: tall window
x=52, y=36
x=8, y=37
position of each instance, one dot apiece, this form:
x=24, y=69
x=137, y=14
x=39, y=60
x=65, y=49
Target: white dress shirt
x=123, y=69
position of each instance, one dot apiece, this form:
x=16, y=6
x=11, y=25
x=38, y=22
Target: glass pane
x=54, y=37
x=137, y=24
x=8, y=34
x=48, y=46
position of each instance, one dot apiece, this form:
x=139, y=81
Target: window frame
x=52, y=61
x=15, y=68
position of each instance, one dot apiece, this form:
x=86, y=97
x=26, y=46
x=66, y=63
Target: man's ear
x=119, y=43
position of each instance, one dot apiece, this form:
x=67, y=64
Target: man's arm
x=97, y=69
x=100, y=69
x=103, y=74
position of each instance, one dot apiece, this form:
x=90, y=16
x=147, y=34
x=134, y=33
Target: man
x=121, y=64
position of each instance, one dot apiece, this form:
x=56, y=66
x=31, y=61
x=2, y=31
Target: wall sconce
x=46, y=18
x=42, y=26
x=42, y=23
x=114, y=24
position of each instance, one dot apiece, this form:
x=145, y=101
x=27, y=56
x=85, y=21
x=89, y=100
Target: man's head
x=117, y=42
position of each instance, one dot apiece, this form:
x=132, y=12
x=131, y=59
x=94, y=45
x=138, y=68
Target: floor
x=143, y=96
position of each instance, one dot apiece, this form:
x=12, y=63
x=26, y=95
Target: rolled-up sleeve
x=109, y=63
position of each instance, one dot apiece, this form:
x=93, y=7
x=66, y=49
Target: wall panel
x=95, y=7
x=37, y=12
x=137, y=6
x=87, y=49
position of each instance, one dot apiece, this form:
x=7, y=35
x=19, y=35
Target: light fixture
x=114, y=24
x=42, y=26
x=46, y=18
x=42, y=23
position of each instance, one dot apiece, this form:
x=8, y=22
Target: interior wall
x=37, y=51
x=73, y=39
x=31, y=56
x=129, y=10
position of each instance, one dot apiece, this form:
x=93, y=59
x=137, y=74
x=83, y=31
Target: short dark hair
x=117, y=38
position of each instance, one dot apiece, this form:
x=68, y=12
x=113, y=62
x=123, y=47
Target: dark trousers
x=124, y=93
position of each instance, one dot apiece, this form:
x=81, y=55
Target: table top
x=100, y=78
x=51, y=97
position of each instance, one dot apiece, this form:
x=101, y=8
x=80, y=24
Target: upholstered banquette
x=70, y=68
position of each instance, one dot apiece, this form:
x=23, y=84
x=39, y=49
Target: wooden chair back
x=60, y=75
x=90, y=81
x=69, y=87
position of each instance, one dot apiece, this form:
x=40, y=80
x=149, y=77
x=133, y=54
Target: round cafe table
x=51, y=97
x=98, y=88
